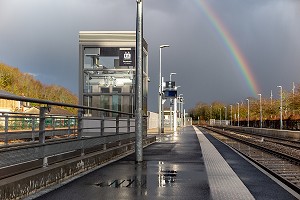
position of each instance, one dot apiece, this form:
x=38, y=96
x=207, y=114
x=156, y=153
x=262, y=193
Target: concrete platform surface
x=175, y=168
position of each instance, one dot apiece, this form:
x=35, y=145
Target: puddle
x=167, y=175
x=121, y=183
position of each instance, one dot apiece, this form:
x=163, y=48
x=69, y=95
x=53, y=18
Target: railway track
x=279, y=159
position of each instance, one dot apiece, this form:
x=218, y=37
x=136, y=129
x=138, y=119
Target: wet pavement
x=173, y=168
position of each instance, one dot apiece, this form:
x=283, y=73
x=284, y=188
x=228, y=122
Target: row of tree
x=270, y=108
x=23, y=84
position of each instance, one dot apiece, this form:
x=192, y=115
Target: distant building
x=9, y=105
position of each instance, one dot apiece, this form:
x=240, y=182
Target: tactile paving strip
x=223, y=181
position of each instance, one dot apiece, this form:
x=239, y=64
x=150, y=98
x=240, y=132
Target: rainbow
x=230, y=44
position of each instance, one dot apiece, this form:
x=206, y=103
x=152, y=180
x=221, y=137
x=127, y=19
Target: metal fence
x=44, y=138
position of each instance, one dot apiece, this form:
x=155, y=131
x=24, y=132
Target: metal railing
x=43, y=138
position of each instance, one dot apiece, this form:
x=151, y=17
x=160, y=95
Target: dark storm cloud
x=41, y=37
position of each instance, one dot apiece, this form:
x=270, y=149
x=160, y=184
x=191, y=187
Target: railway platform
x=190, y=164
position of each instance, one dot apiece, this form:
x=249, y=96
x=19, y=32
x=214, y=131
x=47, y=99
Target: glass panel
x=116, y=100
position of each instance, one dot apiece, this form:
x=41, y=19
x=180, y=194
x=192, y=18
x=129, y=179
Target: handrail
x=26, y=136
x=47, y=102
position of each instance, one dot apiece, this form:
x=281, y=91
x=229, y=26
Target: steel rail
x=273, y=172
x=280, y=154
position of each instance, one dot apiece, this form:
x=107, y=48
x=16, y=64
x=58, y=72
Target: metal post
x=281, y=124
x=271, y=97
x=139, y=84
x=80, y=129
x=248, y=112
x=6, y=129
x=182, y=114
x=117, y=124
x=80, y=124
x=42, y=125
x=102, y=124
x=260, y=110
x=160, y=95
x=225, y=115
x=69, y=126
x=175, y=115
x=183, y=117
x=293, y=98
x=42, y=132
x=171, y=127
x=128, y=124
x=231, y=115
x=220, y=116
x=160, y=129
x=238, y=113
x=32, y=128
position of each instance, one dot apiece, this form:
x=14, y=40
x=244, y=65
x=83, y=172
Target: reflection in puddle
x=168, y=138
x=166, y=175
x=133, y=182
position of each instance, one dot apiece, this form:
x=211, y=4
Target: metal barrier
x=37, y=138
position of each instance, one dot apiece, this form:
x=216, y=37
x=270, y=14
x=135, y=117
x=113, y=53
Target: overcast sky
x=41, y=37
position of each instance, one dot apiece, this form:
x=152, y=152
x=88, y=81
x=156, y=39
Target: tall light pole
x=225, y=114
x=271, y=97
x=248, y=112
x=280, y=107
x=220, y=115
x=181, y=110
x=260, y=110
x=171, y=126
x=175, y=111
x=139, y=84
x=238, y=113
x=210, y=111
x=160, y=114
x=293, y=98
x=231, y=115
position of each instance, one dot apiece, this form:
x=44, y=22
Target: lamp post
x=293, y=98
x=160, y=114
x=238, y=113
x=175, y=111
x=231, y=115
x=248, y=115
x=181, y=110
x=225, y=114
x=210, y=113
x=220, y=116
x=139, y=84
x=260, y=110
x=171, y=103
x=280, y=107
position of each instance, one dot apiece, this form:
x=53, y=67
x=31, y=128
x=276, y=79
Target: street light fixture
x=248, y=112
x=260, y=110
x=280, y=107
x=160, y=114
x=173, y=73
